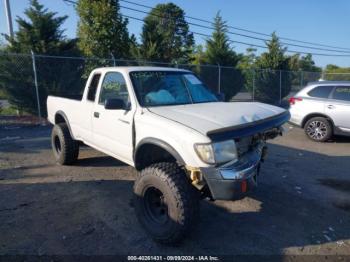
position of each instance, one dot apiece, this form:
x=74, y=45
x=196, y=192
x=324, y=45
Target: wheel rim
x=317, y=130
x=57, y=144
x=155, y=205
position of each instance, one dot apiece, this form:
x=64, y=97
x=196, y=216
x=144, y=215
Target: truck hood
x=207, y=117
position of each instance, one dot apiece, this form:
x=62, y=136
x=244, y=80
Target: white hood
x=206, y=117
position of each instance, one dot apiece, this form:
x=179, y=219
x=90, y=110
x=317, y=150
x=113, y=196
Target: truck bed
x=69, y=106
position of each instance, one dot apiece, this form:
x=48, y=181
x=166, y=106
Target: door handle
x=331, y=106
x=96, y=114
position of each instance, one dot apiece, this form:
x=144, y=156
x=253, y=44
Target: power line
x=232, y=41
x=249, y=44
x=70, y=1
x=242, y=29
x=197, y=33
x=243, y=35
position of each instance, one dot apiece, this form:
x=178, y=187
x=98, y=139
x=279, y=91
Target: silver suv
x=322, y=109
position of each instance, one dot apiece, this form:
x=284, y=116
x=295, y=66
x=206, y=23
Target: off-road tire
x=326, y=129
x=64, y=147
x=180, y=197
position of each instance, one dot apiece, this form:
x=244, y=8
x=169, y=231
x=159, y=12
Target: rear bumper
x=234, y=181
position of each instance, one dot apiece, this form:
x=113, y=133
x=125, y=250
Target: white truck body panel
x=206, y=117
x=180, y=137
x=179, y=126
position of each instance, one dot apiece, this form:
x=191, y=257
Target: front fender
x=175, y=138
x=161, y=144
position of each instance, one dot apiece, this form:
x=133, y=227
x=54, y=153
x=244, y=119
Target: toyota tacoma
x=184, y=141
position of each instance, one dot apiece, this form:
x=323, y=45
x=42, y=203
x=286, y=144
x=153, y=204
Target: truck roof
x=128, y=69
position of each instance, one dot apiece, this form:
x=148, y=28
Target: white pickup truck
x=185, y=143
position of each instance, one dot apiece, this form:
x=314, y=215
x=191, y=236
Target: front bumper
x=234, y=181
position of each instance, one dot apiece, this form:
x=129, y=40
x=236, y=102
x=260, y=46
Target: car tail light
x=292, y=100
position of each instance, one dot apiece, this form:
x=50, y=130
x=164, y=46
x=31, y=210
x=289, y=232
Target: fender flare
x=62, y=114
x=161, y=144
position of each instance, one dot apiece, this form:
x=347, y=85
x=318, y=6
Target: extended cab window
x=342, y=93
x=114, y=86
x=93, y=87
x=321, y=91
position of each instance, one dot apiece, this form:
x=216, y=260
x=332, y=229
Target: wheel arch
x=161, y=151
x=60, y=117
x=309, y=116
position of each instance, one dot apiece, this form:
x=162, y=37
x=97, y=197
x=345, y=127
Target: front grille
x=244, y=145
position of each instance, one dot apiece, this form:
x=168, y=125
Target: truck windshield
x=161, y=88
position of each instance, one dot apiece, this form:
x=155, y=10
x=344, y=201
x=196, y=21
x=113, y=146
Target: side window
x=342, y=93
x=93, y=87
x=113, y=86
x=321, y=91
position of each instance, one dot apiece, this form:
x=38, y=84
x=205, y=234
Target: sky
x=319, y=21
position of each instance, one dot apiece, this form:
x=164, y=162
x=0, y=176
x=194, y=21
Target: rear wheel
x=166, y=204
x=64, y=147
x=318, y=129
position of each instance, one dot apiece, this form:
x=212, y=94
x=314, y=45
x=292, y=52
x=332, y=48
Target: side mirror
x=114, y=104
x=221, y=97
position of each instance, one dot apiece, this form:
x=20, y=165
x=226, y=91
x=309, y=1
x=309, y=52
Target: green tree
x=102, y=30
x=248, y=60
x=337, y=73
x=165, y=35
x=219, y=52
x=304, y=69
x=41, y=32
x=331, y=67
x=308, y=64
x=218, y=48
x=198, y=55
x=303, y=63
x=294, y=62
x=272, y=79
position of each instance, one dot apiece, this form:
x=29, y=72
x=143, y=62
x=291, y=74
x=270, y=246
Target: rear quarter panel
x=76, y=112
x=307, y=106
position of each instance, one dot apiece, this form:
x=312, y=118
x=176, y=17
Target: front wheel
x=318, y=129
x=166, y=204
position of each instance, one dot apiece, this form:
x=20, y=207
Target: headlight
x=217, y=153
x=225, y=151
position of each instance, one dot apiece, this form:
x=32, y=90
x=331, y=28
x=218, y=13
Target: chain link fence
x=27, y=79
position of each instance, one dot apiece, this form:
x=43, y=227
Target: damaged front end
x=233, y=180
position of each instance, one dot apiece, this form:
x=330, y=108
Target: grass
x=4, y=165
x=9, y=111
x=2, y=94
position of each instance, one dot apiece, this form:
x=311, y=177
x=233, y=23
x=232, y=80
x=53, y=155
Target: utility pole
x=9, y=17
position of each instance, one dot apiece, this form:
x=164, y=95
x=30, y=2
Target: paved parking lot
x=302, y=205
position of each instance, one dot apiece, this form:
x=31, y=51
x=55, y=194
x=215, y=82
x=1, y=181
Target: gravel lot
x=302, y=205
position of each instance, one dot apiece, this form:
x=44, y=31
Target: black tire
x=318, y=129
x=166, y=204
x=64, y=147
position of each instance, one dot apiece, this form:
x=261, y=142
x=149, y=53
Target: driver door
x=112, y=129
